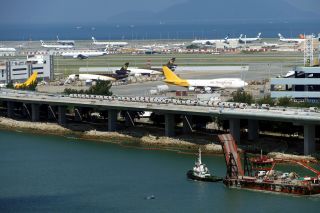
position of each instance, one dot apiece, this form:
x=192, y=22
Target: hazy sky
x=55, y=11
x=94, y=11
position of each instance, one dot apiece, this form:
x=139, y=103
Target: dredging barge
x=262, y=176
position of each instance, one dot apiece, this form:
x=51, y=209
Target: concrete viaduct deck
x=304, y=117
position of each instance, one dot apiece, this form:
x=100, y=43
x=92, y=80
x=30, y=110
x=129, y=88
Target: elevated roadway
x=304, y=117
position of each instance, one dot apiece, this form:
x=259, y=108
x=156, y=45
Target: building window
x=37, y=68
x=2, y=73
x=19, y=69
x=19, y=73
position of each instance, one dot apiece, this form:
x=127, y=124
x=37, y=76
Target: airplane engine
x=207, y=89
x=191, y=88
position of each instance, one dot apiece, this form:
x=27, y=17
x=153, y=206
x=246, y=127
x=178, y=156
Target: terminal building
x=21, y=69
x=303, y=83
x=7, y=51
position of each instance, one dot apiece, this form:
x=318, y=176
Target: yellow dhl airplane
x=31, y=80
x=202, y=84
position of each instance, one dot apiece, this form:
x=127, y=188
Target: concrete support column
x=35, y=112
x=187, y=123
x=10, y=108
x=51, y=113
x=77, y=114
x=112, y=120
x=253, y=129
x=309, y=139
x=234, y=126
x=169, y=125
x=129, y=119
x=62, y=120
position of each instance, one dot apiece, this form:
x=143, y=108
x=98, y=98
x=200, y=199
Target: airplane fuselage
x=83, y=54
x=218, y=83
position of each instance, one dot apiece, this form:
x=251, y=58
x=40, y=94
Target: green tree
x=10, y=85
x=101, y=88
x=192, y=46
x=242, y=97
x=284, y=101
x=266, y=100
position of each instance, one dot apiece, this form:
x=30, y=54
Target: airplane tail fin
x=93, y=39
x=240, y=36
x=41, y=42
x=259, y=34
x=125, y=66
x=31, y=80
x=170, y=76
x=58, y=38
x=280, y=36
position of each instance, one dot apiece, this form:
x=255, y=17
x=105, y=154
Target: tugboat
x=200, y=172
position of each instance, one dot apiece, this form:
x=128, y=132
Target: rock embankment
x=153, y=141
x=36, y=126
x=139, y=137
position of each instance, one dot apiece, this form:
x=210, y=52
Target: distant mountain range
x=227, y=11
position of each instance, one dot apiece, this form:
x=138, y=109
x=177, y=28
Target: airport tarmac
x=262, y=65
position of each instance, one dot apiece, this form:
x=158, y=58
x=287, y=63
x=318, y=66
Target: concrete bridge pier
x=62, y=119
x=309, y=139
x=10, y=109
x=35, y=112
x=234, y=126
x=169, y=125
x=253, y=129
x=112, y=120
x=187, y=124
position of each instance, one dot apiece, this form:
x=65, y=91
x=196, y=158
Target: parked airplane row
x=207, y=85
x=244, y=39
x=84, y=54
x=227, y=40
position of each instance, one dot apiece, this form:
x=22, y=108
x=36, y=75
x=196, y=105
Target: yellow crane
x=31, y=80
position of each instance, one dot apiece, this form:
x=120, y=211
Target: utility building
x=20, y=70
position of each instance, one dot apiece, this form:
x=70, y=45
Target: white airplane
x=88, y=77
x=249, y=40
x=84, y=54
x=178, y=44
x=289, y=74
x=290, y=40
x=109, y=43
x=210, y=41
x=233, y=39
x=265, y=44
x=7, y=49
x=65, y=42
x=207, y=85
x=124, y=71
x=56, y=46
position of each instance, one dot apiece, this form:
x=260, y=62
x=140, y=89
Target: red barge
x=259, y=173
